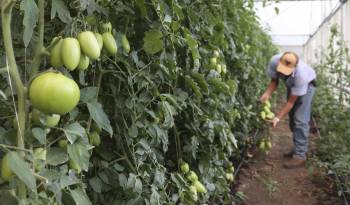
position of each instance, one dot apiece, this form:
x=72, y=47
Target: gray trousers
x=299, y=118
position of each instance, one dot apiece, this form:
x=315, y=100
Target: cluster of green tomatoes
x=216, y=64
x=191, y=195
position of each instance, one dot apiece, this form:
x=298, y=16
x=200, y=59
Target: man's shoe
x=294, y=163
x=288, y=154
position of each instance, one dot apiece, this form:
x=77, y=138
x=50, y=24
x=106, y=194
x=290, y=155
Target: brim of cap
x=285, y=70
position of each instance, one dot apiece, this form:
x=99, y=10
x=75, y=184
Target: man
x=299, y=79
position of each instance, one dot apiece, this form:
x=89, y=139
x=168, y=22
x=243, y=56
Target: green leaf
x=22, y=170
x=152, y=42
x=194, y=87
x=79, y=153
x=155, y=197
x=59, y=7
x=200, y=80
x=88, y=94
x=99, y=116
x=80, y=197
x=74, y=131
x=39, y=134
x=96, y=184
x=66, y=181
x=192, y=44
x=30, y=18
x=56, y=156
x=8, y=198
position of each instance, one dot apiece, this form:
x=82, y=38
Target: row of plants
x=127, y=102
x=331, y=110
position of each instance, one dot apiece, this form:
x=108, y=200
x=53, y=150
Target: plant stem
x=6, y=12
x=39, y=49
x=99, y=81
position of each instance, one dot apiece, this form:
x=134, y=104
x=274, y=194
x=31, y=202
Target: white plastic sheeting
x=313, y=48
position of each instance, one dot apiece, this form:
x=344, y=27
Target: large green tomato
x=184, y=167
x=200, y=187
x=192, y=176
x=54, y=93
x=6, y=172
x=99, y=39
x=109, y=43
x=84, y=62
x=55, y=54
x=89, y=44
x=70, y=53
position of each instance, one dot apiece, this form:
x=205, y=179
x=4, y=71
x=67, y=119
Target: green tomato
x=54, y=93
x=231, y=168
x=270, y=115
x=35, y=116
x=125, y=43
x=96, y=128
x=184, y=167
x=107, y=27
x=91, y=19
x=216, y=54
x=6, y=172
x=213, y=61
x=70, y=53
x=268, y=104
x=75, y=166
x=109, y=43
x=218, y=68
x=193, y=189
x=52, y=120
x=192, y=176
x=229, y=177
x=193, y=193
x=268, y=145
x=263, y=115
x=267, y=109
x=89, y=44
x=95, y=139
x=55, y=54
x=99, y=39
x=84, y=62
x=262, y=145
x=200, y=187
x=224, y=68
x=63, y=143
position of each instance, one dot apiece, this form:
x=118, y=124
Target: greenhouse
x=174, y=102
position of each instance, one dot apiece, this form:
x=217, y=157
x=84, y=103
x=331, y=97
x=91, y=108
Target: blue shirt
x=298, y=82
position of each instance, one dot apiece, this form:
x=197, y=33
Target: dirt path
x=265, y=182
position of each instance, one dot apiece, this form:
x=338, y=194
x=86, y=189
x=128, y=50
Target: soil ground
x=264, y=181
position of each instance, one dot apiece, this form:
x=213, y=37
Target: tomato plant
x=331, y=109
x=145, y=98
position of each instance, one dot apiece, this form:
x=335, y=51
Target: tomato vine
x=158, y=103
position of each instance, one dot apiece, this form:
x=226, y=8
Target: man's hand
x=275, y=121
x=265, y=97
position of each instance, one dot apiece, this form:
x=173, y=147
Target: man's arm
x=286, y=108
x=270, y=89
